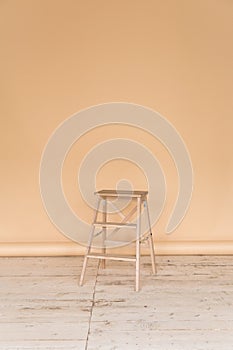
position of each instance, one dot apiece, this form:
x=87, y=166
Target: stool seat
x=103, y=196
x=121, y=193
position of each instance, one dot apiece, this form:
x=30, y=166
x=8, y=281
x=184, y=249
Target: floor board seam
x=92, y=306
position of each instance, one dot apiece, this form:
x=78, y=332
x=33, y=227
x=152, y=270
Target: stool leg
x=103, y=261
x=152, y=253
x=151, y=243
x=89, y=245
x=138, y=234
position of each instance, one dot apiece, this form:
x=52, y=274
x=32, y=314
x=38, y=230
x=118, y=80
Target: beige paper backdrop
x=58, y=57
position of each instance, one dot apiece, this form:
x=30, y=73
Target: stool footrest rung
x=111, y=257
x=114, y=224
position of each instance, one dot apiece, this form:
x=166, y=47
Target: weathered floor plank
x=187, y=305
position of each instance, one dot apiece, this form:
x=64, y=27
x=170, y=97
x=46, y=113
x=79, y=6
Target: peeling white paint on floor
x=187, y=305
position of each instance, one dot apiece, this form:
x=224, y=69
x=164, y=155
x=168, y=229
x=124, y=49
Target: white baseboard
x=161, y=248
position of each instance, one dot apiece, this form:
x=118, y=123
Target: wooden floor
x=188, y=305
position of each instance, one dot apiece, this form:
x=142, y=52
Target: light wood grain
x=187, y=305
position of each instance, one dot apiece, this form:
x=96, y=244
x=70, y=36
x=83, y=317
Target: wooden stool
x=141, y=199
